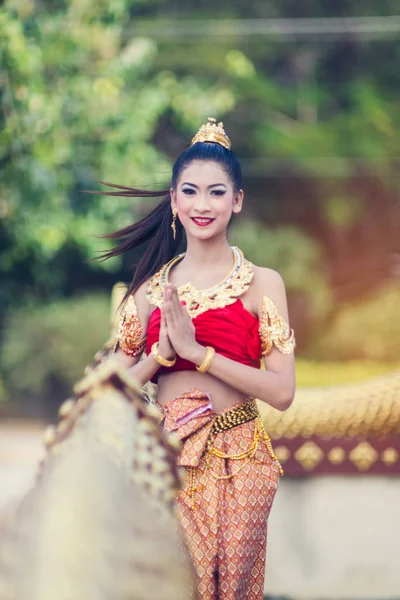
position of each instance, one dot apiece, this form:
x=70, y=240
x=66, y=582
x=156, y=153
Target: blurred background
x=114, y=90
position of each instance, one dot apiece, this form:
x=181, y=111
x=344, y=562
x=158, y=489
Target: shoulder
x=141, y=292
x=268, y=279
x=141, y=298
x=136, y=303
x=269, y=284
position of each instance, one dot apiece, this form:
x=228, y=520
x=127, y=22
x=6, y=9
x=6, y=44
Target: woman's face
x=205, y=199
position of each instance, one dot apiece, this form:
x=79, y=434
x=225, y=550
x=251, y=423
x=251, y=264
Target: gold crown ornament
x=211, y=132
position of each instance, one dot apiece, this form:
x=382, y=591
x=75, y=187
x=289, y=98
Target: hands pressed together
x=177, y=332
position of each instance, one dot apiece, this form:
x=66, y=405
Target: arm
x=131, y=338
x=276, y=384
x=269, y=386
x=144, y=370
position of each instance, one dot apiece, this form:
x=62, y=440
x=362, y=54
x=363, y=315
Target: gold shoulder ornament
x=274, y=331
x=130, y=330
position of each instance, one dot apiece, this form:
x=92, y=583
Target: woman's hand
x=181, y=331
x=165, y=348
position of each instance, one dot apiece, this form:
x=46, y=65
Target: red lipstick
x=202, y=221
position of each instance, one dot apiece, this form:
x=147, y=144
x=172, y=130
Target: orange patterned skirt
x=224, y=505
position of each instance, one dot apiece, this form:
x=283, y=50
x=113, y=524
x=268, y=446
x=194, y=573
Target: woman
x=205, y=320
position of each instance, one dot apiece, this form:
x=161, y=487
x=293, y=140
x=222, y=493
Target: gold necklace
x=238, y=256
x=198, y=301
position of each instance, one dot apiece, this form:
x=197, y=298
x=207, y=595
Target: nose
x=202, y=203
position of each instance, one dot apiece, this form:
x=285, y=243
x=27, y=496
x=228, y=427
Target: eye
x=218, y=192
x=188, y=191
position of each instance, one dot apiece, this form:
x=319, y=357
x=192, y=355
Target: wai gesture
x=179, y=326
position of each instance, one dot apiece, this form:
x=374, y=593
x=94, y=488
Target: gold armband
x=274, y=331
x=130, y=330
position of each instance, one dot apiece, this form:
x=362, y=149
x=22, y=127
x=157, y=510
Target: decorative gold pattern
x=274, y=330
x=211, y=132
x=336, y=455
x=363, y=456
x=199, y=301
x=389, y=456
x=370, y=409
x=130, y=330
x=309, y=455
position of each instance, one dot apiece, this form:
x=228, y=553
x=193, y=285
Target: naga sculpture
x=99, y=522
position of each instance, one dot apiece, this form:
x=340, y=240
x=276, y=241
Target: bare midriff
x=173, y=385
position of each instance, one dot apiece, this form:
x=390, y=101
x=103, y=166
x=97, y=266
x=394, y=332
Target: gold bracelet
x=205, y=365
x=160, y=359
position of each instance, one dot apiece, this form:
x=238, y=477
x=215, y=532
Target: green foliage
x=46, y=348
x=80, y=99
x=2, y=391
x=370, y=331
x=113, y=90
x=66, y=102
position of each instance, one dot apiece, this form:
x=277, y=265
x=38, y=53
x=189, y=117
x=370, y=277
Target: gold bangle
x=160, y=359
x=205, y=365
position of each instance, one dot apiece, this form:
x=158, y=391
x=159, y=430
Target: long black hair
x=155, y=228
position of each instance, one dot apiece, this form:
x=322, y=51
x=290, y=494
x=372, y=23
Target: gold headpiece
x=211, y=132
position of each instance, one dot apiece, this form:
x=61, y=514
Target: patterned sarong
x=224, y=517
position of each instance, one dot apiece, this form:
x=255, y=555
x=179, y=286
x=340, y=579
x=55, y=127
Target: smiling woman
x=205, y=319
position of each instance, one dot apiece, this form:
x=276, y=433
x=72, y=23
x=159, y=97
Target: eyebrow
x=209, y=187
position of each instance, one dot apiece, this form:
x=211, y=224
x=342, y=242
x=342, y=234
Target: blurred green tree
x=113, y=90
x=45, y=349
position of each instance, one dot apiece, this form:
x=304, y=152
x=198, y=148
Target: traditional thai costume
x=233, y=473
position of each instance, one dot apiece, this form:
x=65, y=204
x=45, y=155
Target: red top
x=231, y=330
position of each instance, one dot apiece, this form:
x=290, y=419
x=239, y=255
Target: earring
x=173, y=225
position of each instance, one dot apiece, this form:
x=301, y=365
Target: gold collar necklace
x=198, y=301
